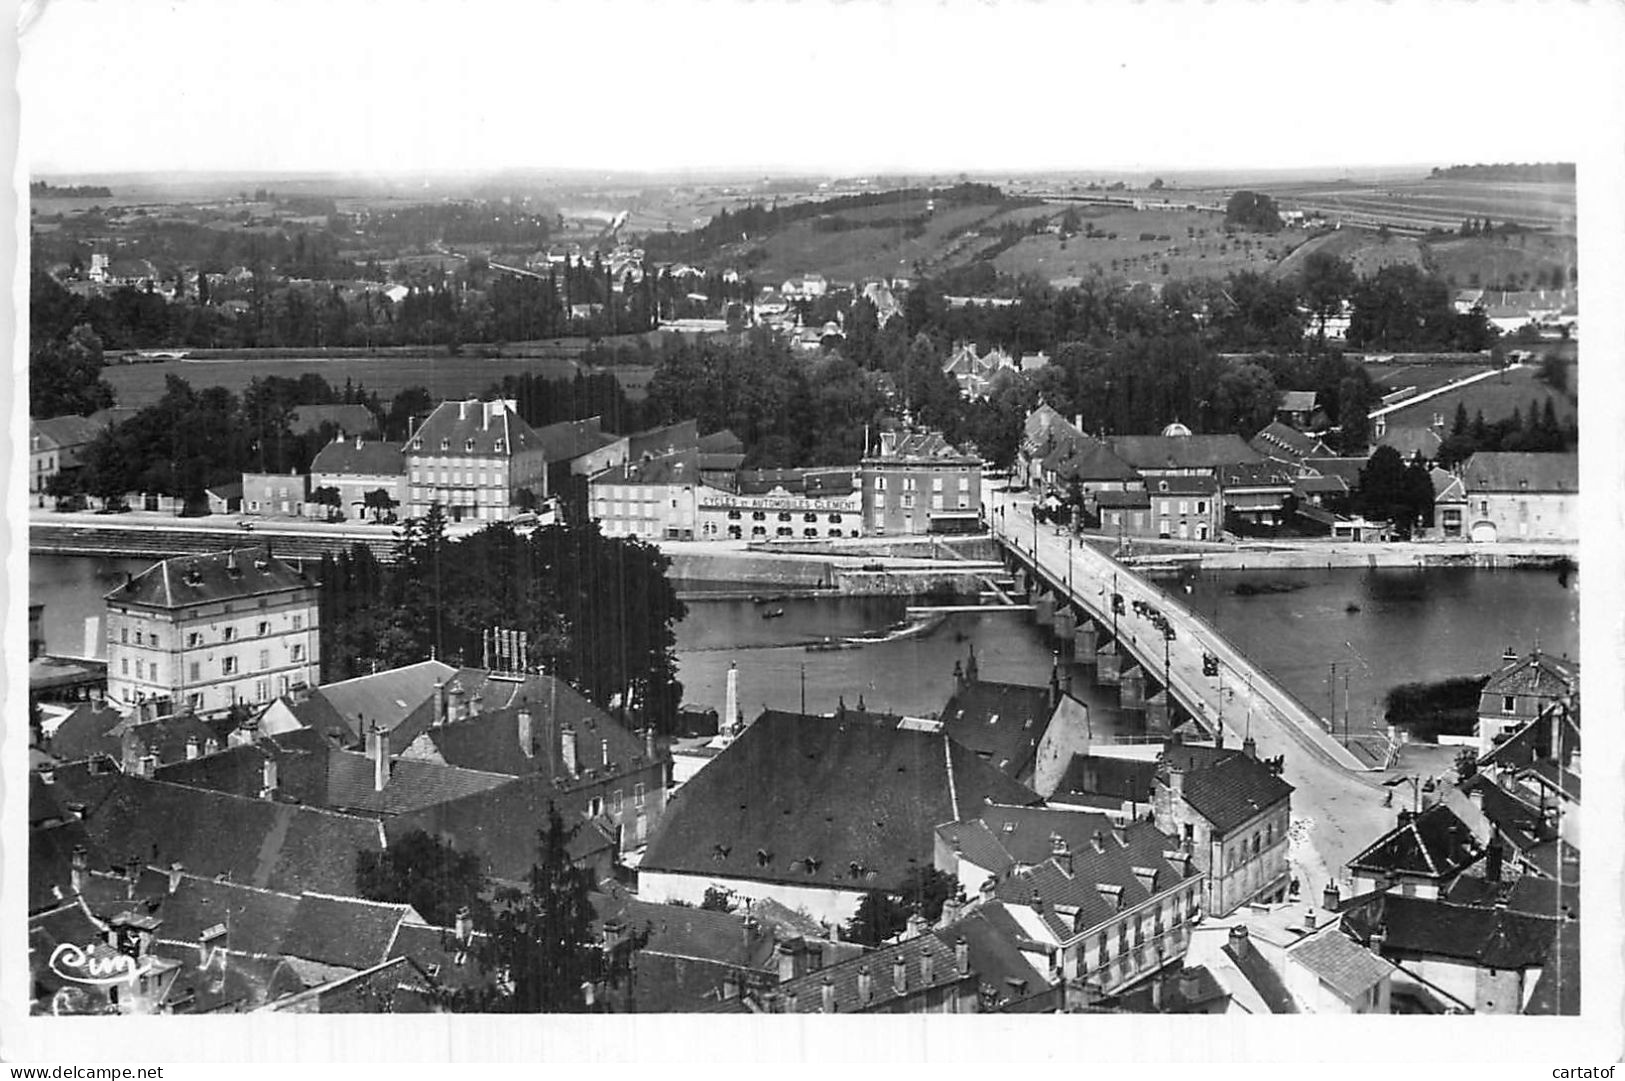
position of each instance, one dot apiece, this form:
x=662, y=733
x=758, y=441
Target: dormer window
x=499, y=446
x=445, y=444
x=417, y=444
x=468, y=444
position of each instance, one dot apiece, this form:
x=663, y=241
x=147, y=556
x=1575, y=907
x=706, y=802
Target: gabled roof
x=356, y=457
x=1265, y=474
x=85, y=732
x=1226, y=787
x=1532, y=743
x=1195, y=484
x=1134, y=497
x=351, y=420
x=394, y=986
x=1339, y=963
x=1447, y=487
x=722, y=442
x=1084, y=458
x=1347, y=468
x=1557, y=991
x=1000, y=966
x=386, y=698
x=1297, y=401
x=681, y=467
x=1408, y=442
x=693, y=933
x=570, y=439
x=1539, y=674
x=1434, y=844
x=1256, y=969
x=1001, y=722
x=209, y=579
x=252, y=841
x=472, y=427
x=818, y=796
x=1424, y=927
x=1506, y=471
x=1182, y=451
x=68, y=431
x=1126, y=779
x=920, y=446
x=845, y=979
x=660, y=442
x=490, y=742
x=50, y=861
x=1518, y=822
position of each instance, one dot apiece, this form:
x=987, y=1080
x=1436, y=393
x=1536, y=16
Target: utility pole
x=1331, y=700
x=1345, y=708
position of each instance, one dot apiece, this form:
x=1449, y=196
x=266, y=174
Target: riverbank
x=1394, y=554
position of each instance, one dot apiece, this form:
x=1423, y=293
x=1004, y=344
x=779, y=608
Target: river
x=1410, y=625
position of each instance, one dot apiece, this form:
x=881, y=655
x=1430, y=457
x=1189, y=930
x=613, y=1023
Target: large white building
x=205, y=632
x=476, y=460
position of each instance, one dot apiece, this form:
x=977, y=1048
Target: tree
x=541, y=953
x=1252, y=210
x=329, y=497
x=421, y=871
x=381, y=503
x=1156, y=185
x=1327, y=282
x=1466, y=763
x=65, y=376
x=881, y=915
x=717, y=900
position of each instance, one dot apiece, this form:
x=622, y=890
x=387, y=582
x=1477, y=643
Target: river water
x=1410, y=625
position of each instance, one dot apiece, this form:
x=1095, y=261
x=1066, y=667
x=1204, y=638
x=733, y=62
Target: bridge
x=1150, y=645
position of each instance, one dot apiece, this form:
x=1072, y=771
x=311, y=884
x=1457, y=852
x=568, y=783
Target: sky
x=414, y=86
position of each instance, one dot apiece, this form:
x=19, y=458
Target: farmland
x=1496, y=397
x=1421, y=204
x=1365, y=251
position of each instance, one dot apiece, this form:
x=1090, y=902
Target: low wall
x=1375, y=555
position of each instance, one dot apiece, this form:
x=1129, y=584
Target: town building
x=1185, y=507
x=1522, y=497
x=815, y=812
x=276, y=494
x=1115, y=903
x=358, y=470
x=57, y=445
x=917, y=975
x=1177, y=452
x=580, y=448
x=725, y=515
x=1328, y=972
x=207, y=632
x=1296, y=408
x=1420, y=857
x=919, y=483
x=655, y=498
x=1520, y=690
x=474, y=459
x=1257, y=493
x=1233, y=810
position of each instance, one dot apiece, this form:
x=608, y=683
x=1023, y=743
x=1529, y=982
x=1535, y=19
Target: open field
x=1496, y=397
x=1361, y=248
x=1423, y=204
x=1522, y=261
x=881, y=251
x=1424, y=375
x=139, y=385
x=1188, y=243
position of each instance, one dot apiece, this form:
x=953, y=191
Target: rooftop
x=1505, y=471
x=1434, y=844
x=1001, y=722
x=472, y=427
x=356, y=457
x=1226, y=787
x=185, y=581
x=1182, y=451
x=1340, y=963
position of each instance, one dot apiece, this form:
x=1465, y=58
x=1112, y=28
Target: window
x=1509, y=704
x=615, y=802
x=264, y=628
x=595, y=806
x=733, y=516
x=124, y=635
x=1105, y=949
x=229, y=634
x=1184, y=506
x=138, y=638
x=193, y=639
x=265, y=659
x=936, y=484
x=445, y=444
x=758, y=516
x=262, y=690
x=195, y=701
x=908, y=484
x=809, y=518
x=468, y=444
x=124, y=666
x=228, y=666
x=298, y=652
x=936, y=502
x=880, y=484
x=298, y=622
x=784, y=516
x=637, y=795
x=194, y=671
x=908, y=500
x=964, y=484
x=156, y=643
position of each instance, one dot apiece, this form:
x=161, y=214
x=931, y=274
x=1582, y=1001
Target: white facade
x=828, y=905
x=777, y=514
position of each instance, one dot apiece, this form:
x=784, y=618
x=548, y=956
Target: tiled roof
x=1518, y=822
x=1256, y=970
x=1340, y=963
x=1506, y=471
x=689, y=932
x=571, y=439
x=1423, y=927
x=723, y=442
x=394, y=986
x=209, y=579
x=1546, y=856
x=1532, y=743
x=50, y=862
x=829, y=483
x=1079, y=456
x=1347, y=468
x=343, y=930
x=681, y=467
x=1125, y=779
x=351, y=420
x=1534, y=895
x=1135, y=497
x=1000, y=966
x=836, y=791
x=1130, y=867
x=387, y=699
x=845, y=979
x=1001, y=722
x=1311, y=485
x=490, y=742
x=1553, y=776
x=358, y=458
x=68, y=431
x=1182, y=485
x=412, y=785
x=1557, y=991
x=1539, y=674
x=1182, y=451
x=437, y=952
x=1297, y=401
x=1447, y=487
x=1226, y=787
x=1265, y=474
x=1434, y=844
x=84, y=732
x=456, y=425
x=921, y=446
x=252, y=841
x=762, y=481
x=1411, y=441
x=661, y=442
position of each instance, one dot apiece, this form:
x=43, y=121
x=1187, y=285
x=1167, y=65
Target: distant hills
x=1554, y=172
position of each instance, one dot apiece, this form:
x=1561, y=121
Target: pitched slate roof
x=357, y=458
x=922, y=446
x=344, y=931
x=352, y=420
x=818, y=796
x=1340, y=963
x=456, y=424
x=394, y=986
x=50, y=862
x=209, y=579
x=1434, y=844
x=388, y=699
x=1297, y=401
x=1506, y=471
x=679, y=467
x=84, y=732
x=1134, y=497
x=1538, y=674
x=844, y=978
x=1182, y=485
x=67, y=431
x=693, y=933
x=412, y=785
x=723, y=442
x=1411, y=441
x=1518, y=822
x=1131, y=867
x=252, y=841
x=1182, y=451
x=1557, y=991
x=1266, y=474
x=490, y=742
x=1087, y=459
x=570, y=439
x=1001, y=722
x=1424, y=927
x=437, y=952
x=995, y=955
x=1347, y=468
x=1256, y=969
x=661, y=442
x=1126, y=779
x=1226, y=787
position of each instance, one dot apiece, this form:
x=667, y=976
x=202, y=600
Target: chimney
x=1308, y=919
x=358, y=442
x=1077, y=421
x=1061, y=852
x=527, y=739
x=1331, y=899
x=603, y=747
x=378, y=747
x=1492, y=862
x=268, y=777
x=899, y=974
x=462, y=410
x=950, y=911
x=792, y=1002
x=1378, y=940
x=465, y=925
x=194, y=748
x=787, y=961
x=730, y=701
x=916, y=927
x=567, y=748
x=149, y=765
x=1176, y=781
x=866, y=986
x=1120, y=835
x=928, y=967
x=1249, y=747
x=1509, y=655
x=827, y=990
x=81, y=862
x=439, y=702
x=475, y=704
x=1098, y=839
x=1239, y=944
x=175, y=871
x=961, y=956
x=649, y=749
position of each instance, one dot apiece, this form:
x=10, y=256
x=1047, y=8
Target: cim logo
x=79, y=964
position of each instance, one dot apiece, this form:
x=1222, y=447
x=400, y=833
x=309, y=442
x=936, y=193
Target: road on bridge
x=1337, y=810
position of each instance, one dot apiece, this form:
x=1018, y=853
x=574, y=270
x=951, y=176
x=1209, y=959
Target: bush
x=1428, y=710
